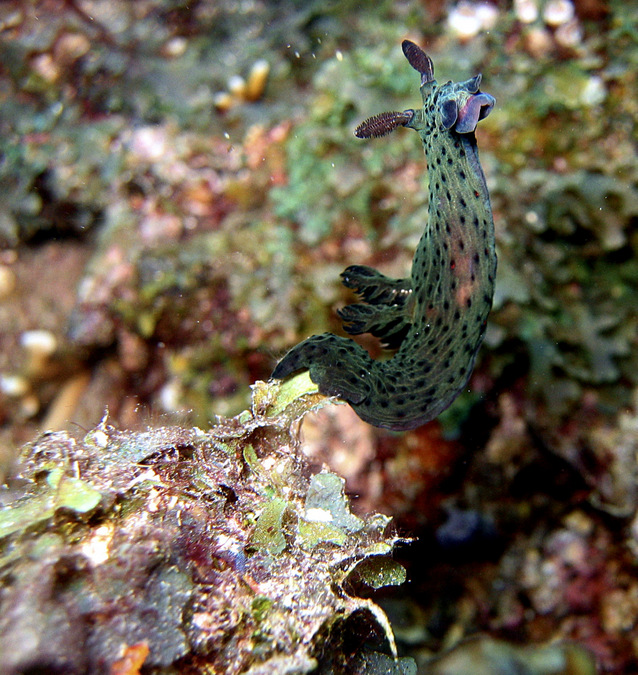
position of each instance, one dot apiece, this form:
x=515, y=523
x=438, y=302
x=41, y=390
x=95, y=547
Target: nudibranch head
x=458, y=105
x=460, y=108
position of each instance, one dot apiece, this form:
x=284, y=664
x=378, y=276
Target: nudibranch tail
x=337, y=365
x=436, y=318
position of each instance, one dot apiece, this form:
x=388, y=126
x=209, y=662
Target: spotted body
x=436, y=318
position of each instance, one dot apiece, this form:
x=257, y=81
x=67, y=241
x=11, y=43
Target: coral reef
x=202, y=551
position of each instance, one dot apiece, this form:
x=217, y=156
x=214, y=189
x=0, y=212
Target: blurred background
x=180, y=189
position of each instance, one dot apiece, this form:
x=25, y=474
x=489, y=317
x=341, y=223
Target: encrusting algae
x=188, y=551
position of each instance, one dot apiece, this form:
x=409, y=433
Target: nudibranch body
x=436, y=318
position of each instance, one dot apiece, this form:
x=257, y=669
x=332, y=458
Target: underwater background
x=181, y=188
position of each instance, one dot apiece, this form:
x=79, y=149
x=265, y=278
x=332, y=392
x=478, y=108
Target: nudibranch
x=435, y=319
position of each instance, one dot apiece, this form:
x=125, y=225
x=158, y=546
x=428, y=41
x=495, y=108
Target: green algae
x=378, y=572
x=59, y=491
x=268, y=534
